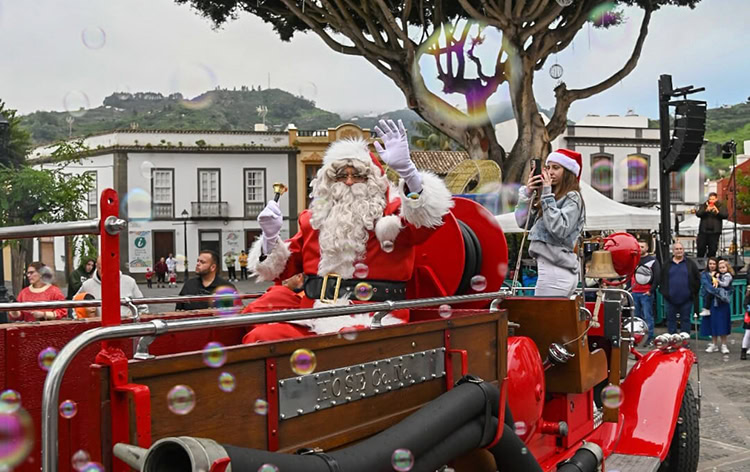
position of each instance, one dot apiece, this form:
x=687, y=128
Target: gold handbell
x=601, y=266
x=279, y=189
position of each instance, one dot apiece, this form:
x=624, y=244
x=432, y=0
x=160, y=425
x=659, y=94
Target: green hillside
x=214, y=110
x=723, y=124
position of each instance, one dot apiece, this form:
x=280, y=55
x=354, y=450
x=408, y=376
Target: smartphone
x=537, y=167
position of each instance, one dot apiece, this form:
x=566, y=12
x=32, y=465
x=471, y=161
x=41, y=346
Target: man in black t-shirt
x=207, y=282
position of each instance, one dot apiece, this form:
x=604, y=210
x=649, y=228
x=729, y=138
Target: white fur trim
x=334, y=324
x=387, y=228
x=347, y=149
x=565, y=161
x=274, y=264
x=433, y=203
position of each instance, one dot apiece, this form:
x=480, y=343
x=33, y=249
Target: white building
x=220, y=180
x=621, y=159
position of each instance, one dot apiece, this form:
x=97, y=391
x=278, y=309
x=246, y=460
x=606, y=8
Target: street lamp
x=4, y=144
x=729, y=150
x=185, y=215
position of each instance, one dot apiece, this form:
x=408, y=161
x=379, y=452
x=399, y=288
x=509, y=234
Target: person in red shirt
x=40, y=290
x=149, y=277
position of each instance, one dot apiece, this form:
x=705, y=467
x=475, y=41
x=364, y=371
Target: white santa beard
x=344, y=220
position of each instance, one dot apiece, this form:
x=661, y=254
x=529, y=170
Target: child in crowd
x=720, y=320
x=149, y=276
x=173, y=279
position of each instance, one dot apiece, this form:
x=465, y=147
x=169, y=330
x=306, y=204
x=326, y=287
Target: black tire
x=685, y=447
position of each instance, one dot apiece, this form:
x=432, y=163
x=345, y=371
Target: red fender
x=525, y=385
x=652, y=393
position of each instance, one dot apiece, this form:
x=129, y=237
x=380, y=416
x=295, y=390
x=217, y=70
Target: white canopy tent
x=602, y=214
x=692, y=222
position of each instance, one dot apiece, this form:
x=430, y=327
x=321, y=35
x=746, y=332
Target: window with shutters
x=92, y=199
x=255, y=192
x=162, y=194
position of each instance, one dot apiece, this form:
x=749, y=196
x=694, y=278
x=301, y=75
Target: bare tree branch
x=495, y=21
x=391, y=21
x=542, y=23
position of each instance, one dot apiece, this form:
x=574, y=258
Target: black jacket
x=710, y=221
x=694, y=279
x=195, y=286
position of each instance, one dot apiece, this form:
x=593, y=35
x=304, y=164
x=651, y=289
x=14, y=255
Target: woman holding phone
x=552, y=206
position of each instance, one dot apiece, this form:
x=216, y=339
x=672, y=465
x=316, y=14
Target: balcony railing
x=645, y=195
x=677, y=195
x=313, y=133
x=162, y=211
x=209, y=210
x=253, y=209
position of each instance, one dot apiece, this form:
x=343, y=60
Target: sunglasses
x=355, y=176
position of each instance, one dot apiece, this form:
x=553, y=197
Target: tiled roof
x=439, y=162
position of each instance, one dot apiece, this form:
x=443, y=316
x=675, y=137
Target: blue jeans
x=682, y=310
x=644, y=308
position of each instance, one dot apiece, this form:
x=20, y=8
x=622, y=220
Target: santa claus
x=357, y=241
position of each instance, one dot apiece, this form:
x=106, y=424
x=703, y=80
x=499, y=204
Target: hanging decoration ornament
x=565, y=3
x=556, y=71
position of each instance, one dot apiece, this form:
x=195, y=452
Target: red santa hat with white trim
x=568, y=159
x=351, y=148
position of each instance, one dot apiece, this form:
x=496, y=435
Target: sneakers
x=724, y=349
x=712, y=348
x=705, y=312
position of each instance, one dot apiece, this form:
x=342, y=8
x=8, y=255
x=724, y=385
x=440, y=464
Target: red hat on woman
x=568, y=159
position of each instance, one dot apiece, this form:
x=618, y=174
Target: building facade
x=182, y=191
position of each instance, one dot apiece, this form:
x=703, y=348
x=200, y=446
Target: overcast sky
x=86, y=49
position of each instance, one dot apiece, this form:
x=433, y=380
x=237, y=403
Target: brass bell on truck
x=601, y=266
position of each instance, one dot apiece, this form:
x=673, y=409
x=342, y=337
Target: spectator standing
x=643, y=286
x=80, y=275
x=243, y=265
x=679, y=284
x=173, y=279
x=711, y=213
x=230, y=261
x=39, y=290
x=746, y=326
x=718, y=324
x=206, y=283
x=558, y=218
x=161, y=272
x=171, y=263
x=128, y=289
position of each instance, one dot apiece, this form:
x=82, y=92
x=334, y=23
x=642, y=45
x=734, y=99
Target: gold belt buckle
x=335, y=291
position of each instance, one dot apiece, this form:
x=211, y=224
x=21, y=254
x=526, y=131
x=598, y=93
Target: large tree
x=382, y=31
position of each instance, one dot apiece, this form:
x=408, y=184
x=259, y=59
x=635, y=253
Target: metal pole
x=184, y=234
x=665, y=233
x=70, y=228
x=136, y=301
x=3, y=290
x=734, y=210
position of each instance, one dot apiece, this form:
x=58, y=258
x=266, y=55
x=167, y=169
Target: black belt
x=381, y=290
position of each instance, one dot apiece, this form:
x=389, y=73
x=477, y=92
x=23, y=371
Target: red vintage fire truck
x=481, y=378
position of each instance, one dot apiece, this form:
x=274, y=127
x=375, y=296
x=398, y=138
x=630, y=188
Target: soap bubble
x=349, y=333
x=136, y=205
x=181, y=400
x=10, y=401
x=303, y=361
x=214, y=354
x=227, y=298
x=16, y=437
x=197, y=80
x=76, y=103
x=601, y=175
x=612, y=396
x=227, y=382
x=268, y=468
x=387, y=246
x=484, y=53
x=308, y=90
x=47, y=357
x=260, y=407
x=520, y=428
x=68, y=409
x=80, y=459
x=637, y=172
x=361, y=270
x=146, y=168
x=363, y=291
x=93, y=467
x=445, y=311
x=93, y=38
x=402, y=460
x=478, y=283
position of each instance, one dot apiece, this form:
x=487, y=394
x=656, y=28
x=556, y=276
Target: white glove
x=396, y=153
x=270, y=221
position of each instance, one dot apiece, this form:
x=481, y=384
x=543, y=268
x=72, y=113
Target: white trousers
x=554, y=281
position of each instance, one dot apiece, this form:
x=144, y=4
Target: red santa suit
x=389, y=254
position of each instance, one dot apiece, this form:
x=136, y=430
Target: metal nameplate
x=310, y=393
